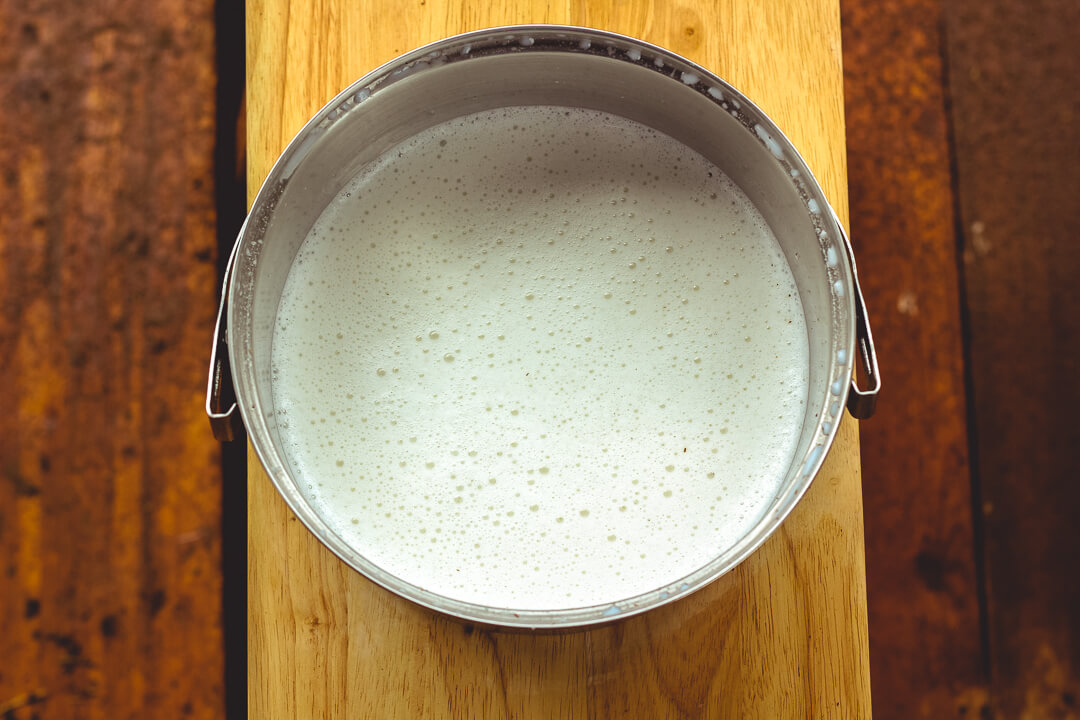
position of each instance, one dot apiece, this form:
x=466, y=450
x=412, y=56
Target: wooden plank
x=782, y=636
x=1016, y=113
x=926, y=655
x=109, y=482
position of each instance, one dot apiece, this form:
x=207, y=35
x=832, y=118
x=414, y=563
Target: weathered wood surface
x=926, y=654
x=782, y=636
x=1013, y=69
x=109, y=486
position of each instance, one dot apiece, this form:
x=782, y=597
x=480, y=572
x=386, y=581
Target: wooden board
x=782, y=636
x=110, y=582
x=926, y=653
x=1017, y=119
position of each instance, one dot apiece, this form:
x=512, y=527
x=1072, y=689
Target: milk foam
x=540, y=358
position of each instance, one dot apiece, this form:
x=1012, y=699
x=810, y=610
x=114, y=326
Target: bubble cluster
x=540, y=358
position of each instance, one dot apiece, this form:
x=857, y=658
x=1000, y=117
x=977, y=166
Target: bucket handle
x=221, y=406
x=227, y=425
x=860, y=403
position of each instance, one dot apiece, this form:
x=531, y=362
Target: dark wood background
x=122, y=522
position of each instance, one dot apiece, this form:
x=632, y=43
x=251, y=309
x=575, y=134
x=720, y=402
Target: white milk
x=540, y=358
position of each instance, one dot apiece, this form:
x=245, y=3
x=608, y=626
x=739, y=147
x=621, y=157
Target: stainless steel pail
x=549, y=65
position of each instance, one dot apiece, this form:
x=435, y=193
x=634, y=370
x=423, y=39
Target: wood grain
x=782, y=636
x=926, y=654
x=109, y=483
x=1017, y=119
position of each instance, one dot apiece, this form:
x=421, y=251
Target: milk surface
x=540, y=358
